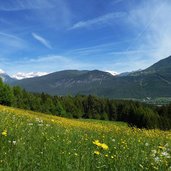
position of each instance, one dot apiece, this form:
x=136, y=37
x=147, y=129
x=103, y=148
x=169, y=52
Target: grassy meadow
x=31, y=141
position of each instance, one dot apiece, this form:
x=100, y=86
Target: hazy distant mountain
x=5, y=77
x=154, y=81
x=66, y=82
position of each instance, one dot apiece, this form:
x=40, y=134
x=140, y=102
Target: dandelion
x=96, y=152
x=4, y=133
x=96, y=142
x=104, y=146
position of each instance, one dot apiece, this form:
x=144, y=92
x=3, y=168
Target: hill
x=35, y=141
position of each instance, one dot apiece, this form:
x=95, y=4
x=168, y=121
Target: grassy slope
x=35, y=141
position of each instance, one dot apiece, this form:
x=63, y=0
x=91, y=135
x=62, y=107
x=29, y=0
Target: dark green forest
x=89, y=107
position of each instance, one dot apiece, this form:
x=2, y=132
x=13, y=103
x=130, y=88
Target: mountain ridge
x=155, y=81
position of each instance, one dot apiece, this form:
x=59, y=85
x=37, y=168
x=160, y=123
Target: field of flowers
x=32, y=141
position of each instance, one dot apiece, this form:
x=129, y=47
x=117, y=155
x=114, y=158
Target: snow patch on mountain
x=2, y=71
x=22, y=75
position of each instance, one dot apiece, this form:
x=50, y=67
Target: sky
x=54, y=35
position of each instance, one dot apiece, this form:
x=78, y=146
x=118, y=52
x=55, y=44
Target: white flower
x=146, y=144
x=157, y=159
x=165, y=154
x=113, y=140
x=14, y=142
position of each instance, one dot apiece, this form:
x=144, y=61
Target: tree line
x=89, y=107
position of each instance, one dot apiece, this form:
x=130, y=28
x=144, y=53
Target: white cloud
x=42, y=40
x=99, y=21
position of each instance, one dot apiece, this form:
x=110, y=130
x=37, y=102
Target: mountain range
x=155, y=81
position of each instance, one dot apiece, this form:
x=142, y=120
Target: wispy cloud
x=57, y=10
x=18, y=5
x=152, y=21
x=104, y=19
x=2, y=34
x=42, y=40
x=9, y=42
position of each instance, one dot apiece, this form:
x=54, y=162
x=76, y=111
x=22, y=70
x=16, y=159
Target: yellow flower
x=104, y=146
x=4, y=133
x=96, y=152
x=106, y=155
x=96, y=142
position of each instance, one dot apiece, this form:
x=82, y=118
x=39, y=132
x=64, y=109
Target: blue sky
x=53, y=35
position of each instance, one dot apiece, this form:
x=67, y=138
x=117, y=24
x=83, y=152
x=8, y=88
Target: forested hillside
x=135, y=113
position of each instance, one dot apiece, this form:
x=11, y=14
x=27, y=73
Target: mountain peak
x=2, y=71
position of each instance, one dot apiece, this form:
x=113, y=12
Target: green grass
x=32, y=141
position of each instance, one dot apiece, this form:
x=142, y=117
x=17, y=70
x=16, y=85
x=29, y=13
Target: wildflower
x=157, y=159
x=96, y=142
x=106, y=155
x=104, y=146
x=4, y=133
x=165, y=154
x=96, y=152
x=14, y=142
x=113, y=140
x=146, y=144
